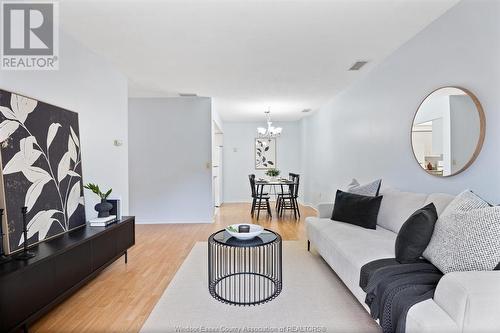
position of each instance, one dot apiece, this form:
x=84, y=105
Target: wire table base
x=245, y=272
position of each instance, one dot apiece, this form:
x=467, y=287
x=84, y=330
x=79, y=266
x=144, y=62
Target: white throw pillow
x=440, y=201
x=397, y=206
x=370, y=189
x=466, y=236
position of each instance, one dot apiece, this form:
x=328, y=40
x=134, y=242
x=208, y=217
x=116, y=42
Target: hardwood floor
x=121, y=298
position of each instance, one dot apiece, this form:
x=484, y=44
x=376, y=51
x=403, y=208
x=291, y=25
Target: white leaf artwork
x=7, y=113
x=73, y=174
x=7, y=127
x=34, y=174
x=63, y=167
x=24, y=158
x=52, y=133
x=72, y=149
x=75, y=137
x=38, y=177
x=40, y=223
x=30, y=154
x=34, y=192
x=16, y=164
x=22, y=106
x=73, y=199
x=34, y=167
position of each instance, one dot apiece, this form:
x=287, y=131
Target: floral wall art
x=265, y=153
x=41, y=169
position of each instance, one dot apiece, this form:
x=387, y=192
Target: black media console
x=62, y=265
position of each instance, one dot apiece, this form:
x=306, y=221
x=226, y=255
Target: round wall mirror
x=448, y=131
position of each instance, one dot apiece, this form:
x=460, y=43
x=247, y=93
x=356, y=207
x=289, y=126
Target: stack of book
x=102, y=221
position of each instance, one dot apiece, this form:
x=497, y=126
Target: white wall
x=217, y=159
x=170, y=146
x=364, y=132
x=87, y=84
x=240, y=136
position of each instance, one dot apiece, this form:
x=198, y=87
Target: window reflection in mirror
x=448, y=131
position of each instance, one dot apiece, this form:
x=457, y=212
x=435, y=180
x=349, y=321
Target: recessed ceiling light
x=357, y=65
x=306, y=110
x=187, y=95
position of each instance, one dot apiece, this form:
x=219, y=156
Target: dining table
x=261, y=183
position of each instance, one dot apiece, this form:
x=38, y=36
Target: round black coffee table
x=244, y=272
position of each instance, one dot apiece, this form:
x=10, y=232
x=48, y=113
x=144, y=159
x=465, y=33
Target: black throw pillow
x=356, y=209
x=415, y=234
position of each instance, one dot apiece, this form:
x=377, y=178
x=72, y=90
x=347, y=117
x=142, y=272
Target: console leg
x=25, y=328
x=308, y=245
x=126, y=257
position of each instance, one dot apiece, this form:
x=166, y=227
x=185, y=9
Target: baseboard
x=310, y=205
x=147, y=221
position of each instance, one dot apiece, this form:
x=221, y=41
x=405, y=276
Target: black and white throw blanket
x=393, y=288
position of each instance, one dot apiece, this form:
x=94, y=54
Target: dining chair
x=289, y=200
x=257, y=199
x=284, y=190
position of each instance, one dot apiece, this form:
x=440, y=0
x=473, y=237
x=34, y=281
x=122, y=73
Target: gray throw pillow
x=466, y=236
x=370, y=189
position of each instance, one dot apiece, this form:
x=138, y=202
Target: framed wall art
x=265, y=153
x=41, y=169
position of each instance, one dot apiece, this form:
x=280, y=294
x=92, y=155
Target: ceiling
x=246, y=55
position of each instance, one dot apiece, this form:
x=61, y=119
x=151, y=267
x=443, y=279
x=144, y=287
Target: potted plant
x=273, y=173
x=104, y=206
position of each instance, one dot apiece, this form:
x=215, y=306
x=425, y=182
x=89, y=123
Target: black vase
x=103, y=208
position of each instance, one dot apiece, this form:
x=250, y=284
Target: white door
x=217, y=174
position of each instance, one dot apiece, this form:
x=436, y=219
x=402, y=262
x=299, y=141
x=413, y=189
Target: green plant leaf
x=106, y=195
x=95, y=189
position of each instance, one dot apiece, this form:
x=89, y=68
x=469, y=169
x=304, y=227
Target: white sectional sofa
x=463, y=302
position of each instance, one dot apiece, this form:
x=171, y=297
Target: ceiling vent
x=357, y=65
x=187, y=95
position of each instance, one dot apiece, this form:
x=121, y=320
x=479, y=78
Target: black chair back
x=294, y=190
x=251, y=178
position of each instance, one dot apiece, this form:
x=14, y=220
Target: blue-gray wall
x=170, y=146
x=364, y=132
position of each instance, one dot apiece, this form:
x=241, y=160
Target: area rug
x=313, y=299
